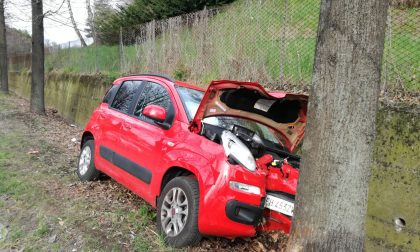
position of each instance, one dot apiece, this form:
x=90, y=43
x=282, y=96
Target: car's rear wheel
x=177, y=218
x=86, y=167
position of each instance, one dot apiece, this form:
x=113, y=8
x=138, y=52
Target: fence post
x=386, y=52
x=121, y=52
x=283, y=43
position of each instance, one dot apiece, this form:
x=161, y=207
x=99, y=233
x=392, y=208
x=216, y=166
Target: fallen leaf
x=261, y=247
x=275, y=236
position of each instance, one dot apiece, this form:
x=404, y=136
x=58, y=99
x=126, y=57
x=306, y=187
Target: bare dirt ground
x=44, y=207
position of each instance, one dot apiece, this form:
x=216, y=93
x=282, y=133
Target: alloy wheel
x=174, y=212
x=85, y=159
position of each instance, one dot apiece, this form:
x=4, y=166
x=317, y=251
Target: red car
x=216, y=163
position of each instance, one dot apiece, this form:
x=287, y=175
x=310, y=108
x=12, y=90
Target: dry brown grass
x=406, y=3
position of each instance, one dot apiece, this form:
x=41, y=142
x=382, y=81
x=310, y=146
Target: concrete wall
x=394, y=186
x=74, y=96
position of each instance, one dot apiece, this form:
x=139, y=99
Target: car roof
x=157, y=77
x=140, y=76
x=179, y=83
x=188, y=85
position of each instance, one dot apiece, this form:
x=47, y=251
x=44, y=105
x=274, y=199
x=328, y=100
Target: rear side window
x=155, y=94
x=111, y=92
x=125, y=96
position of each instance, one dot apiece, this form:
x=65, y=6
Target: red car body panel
x=283, y=180
x=158, y=150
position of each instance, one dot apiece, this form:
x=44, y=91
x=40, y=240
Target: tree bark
x=4, y=72
x=91, y=21
x=38, y=78
x=332, y=191
x=82, y=40
x=90, y=15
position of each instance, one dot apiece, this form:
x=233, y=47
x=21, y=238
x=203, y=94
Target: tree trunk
x=91, y=21
x=82, y=41
x=37, y=87
x=4, y=73
x=90, y=17
x=332, y=192
x=89, y=11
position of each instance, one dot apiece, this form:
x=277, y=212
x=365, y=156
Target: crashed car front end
x=256, y=133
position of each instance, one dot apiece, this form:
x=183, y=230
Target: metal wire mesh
x=249, y=40
x=270, y=41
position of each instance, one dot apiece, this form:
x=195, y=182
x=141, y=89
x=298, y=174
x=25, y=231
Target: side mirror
x=155, y=112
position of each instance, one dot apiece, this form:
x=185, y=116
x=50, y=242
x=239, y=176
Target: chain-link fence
x=270, y=41
x=249, y=40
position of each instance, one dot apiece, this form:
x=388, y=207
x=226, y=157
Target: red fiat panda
x=216, y=163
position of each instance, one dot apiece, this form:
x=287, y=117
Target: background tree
x=89, y=23
x=18, y=41
x=332, y=192
x=3, y=52
x=82, y=40
x=38, y=78
x=98, y=19
x=141, y=11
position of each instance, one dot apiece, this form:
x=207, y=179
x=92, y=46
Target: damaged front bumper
x=231, y=212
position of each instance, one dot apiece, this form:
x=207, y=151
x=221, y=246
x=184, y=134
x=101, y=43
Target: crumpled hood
x=283, y=112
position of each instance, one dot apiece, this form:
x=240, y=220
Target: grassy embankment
x=44, y=207
x=245, y=41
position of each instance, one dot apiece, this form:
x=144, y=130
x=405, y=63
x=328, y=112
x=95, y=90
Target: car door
x=143, y=137
x=111, y=123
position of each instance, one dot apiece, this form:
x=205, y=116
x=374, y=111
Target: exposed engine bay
x=233, y=128
x=247, y=143
x=260, y=132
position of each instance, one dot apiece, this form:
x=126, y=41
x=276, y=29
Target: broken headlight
x=238, y=151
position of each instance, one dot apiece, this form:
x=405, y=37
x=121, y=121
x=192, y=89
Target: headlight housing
x=238, y=151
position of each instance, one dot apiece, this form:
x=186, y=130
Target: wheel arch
x=87, y=135
x=173, y=172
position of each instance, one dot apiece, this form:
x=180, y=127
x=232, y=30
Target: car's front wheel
x=86, y=169
x=177, y=218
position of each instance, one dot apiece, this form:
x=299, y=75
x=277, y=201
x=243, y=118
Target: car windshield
x=227, y=122
x=191, y=99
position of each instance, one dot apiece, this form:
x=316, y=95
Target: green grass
x=10, y=182
x=245, y=41
x=85, y=60
x=21, y=191
x=42, y=229
x=37, y=202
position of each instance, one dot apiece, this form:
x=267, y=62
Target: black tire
x=189, y=234
x=89, y=173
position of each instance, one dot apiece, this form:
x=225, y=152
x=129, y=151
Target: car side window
x=155, y=94
x=125, y=96
x=110, y=93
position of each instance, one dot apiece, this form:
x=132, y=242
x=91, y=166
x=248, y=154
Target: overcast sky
x=58, y=27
